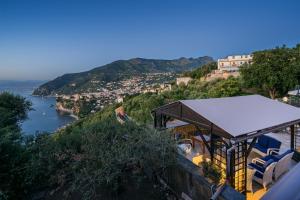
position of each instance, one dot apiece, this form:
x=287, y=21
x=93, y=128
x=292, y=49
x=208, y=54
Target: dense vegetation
x=94, y=157
x=115, y=71
x=201, y=71
x=274, y=71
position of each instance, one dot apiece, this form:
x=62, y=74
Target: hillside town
x=115, y=91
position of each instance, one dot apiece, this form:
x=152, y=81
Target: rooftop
x=235, y=117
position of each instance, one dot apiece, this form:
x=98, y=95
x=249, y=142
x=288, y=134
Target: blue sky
x=45, y=39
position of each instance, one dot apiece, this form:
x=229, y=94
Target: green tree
x=274, y=71
x=225, y=88
x=112, y=152
x=140, y=107
x=13, y=110
x=201, y=71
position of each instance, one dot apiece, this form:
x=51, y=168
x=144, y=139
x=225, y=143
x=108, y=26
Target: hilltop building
x=232, y=63
x=228, y=66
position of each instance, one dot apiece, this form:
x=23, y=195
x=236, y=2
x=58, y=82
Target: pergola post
x=292, y=137
x=230, y=165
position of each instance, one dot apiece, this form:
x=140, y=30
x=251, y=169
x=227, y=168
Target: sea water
x=43, y=117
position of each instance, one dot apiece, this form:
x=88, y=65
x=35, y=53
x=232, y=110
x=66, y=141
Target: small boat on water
x=44, y=113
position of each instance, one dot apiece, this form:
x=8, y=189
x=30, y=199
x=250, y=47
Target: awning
x=233, y=117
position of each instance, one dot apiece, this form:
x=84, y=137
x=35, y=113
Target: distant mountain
x=116, y=71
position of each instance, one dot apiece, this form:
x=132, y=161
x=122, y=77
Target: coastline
x=44, y=117
x=60, y=108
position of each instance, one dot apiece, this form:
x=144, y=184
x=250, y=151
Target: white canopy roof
x=244, y=114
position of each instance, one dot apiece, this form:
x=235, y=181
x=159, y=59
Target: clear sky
x=43, y=39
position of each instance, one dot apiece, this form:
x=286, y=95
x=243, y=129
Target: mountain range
x=116, y=71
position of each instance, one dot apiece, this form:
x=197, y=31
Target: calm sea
x=44, y=117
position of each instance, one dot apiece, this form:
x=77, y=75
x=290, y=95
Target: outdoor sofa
x=266, y=145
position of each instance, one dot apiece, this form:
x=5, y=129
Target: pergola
x=231, y=122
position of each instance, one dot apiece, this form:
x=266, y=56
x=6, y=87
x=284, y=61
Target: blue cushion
x=267, y=163
x=257, y=167
x=266, y=158
x=263, y=141
x=273, y=143
x=260, y=148
x=258, y=175
x=278, y=157
x=258, y=170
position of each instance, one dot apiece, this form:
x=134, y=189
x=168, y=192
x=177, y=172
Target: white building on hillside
x=232, y=63
x=183, y=80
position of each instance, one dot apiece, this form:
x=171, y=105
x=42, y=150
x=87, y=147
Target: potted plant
x=212, y=172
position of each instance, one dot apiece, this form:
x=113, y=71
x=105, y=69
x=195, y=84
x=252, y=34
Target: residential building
x=232, y=63
x=184, y=80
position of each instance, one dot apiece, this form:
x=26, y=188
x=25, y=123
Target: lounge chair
x=263, y=173
x=266, y=145
x=283, y=162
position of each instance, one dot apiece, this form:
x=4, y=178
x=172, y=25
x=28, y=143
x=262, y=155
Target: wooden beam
x=203, y=139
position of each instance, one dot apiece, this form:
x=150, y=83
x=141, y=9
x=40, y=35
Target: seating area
x=266, y=163
x=270, y=167
x=264, y=170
